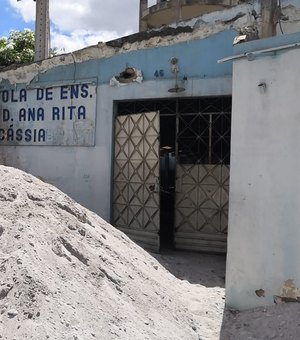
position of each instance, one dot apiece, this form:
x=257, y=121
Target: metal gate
x=136, y=203
x=202, y=178
x=202, y=149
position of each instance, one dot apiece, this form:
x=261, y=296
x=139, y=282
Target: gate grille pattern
x=202, y=176
x=202, y=171
x=136, y=171
x=202, y=196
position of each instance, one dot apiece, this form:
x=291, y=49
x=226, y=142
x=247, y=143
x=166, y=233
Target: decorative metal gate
x=202, y=177
x=136, y=203
x=201, y=145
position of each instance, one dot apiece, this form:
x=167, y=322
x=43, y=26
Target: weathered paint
x=48, y=115
x=199, y=62
x=264, y=234
x=85, y=172
x=166, y=12
x=195, y=29
x=202, y=27
x=289, y=290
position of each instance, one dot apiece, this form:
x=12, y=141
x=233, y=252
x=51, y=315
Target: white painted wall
x=85, y=172
x=264, y=213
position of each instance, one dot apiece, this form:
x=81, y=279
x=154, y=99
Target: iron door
x=202, y=177
x=136, y=203
x=202, y=199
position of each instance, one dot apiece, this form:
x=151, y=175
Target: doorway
x=167, y=179
x=190, y=183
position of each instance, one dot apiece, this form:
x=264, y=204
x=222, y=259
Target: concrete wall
x=264, y=214
x=291, y=17
x=84, y=172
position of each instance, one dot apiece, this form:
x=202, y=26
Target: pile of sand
x=67, y=274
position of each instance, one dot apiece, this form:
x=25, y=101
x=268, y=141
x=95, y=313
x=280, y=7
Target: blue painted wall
x=197, y=59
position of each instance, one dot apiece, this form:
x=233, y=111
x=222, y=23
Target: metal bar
x=254, y=53
x=210, y=140
x=204, y=113
x=177, y=132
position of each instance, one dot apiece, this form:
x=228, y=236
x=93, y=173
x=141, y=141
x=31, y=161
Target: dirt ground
x=208, y=305
x=203, y=291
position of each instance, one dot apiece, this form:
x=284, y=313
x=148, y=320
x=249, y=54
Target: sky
x=75, y=23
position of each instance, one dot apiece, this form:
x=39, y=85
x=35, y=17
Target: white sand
x=67, y=274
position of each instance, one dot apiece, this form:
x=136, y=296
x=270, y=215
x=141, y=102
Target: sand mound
x=67, y=274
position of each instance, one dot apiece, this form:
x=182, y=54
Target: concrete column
x=177, y=10
x=142, y=24
x=42, y=30
x=268, y=10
